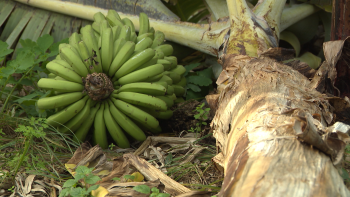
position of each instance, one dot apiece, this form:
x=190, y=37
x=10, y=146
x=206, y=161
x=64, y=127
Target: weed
x=154, y=192
x=74, y=189
x=201, y=116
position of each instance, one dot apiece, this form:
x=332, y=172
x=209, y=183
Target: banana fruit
x=112, y=81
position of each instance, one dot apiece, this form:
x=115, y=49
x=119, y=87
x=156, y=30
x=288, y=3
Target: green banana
x=96, y=27
x=81, y=133
x=167, y=99
x=51, y=75
x=118, y=44
x=166, y=79
x=144, y=88
x=179, y=100
x=133, y=63
x=73, y=124
x=162, y=83
x=106, y=49
x=170, y=90
x=59, y=100
x=159, y=38
x=98, y=16
x=145, y=35
x=85, y=56
x=159, y=114
x=123, y=55
x=129, y=23
x=166, y=63
x=144, y=100
x=125, y=33
x=67, y=113
x=179, y=90
x=59, y=85
x=64, y=45
x=74, y=60
x=64, y=72
x=116, y=32
x=167, y=49
x=74, y=39
x=152, y=31
x=114, y=130
x=133, y=37
x=143, y=44
x=92, y=45
x=100, y=135
x=63, y=63
x=137, y=114
x=154, y=78
x=179, y=69
x=144, y=23
x=172, y=60
x=126, y=123
x=182, y=82
x=114, y=19
x=174, y=76
x=142, y=74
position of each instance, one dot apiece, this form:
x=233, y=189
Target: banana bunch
x=113, y=81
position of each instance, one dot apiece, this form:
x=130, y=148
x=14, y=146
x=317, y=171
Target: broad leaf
x=193, y=87
x=199, y=80
x=44, y=42
x=142, y=189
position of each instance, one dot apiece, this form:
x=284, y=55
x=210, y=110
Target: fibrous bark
x=271, y=126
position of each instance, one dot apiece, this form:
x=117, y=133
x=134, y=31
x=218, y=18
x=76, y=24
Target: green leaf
x=78, y=192
x=26, y=98
x=70, y=183
x=3, y=49
x=83, y=170
x=129, y=177
x=64, y=192
x=116, y=179
x=194, y=95
x=54, y=48
x=312, y=60
x=142, y=189
x=199, y=80
x=190, y=67
x=27, y=82
x=94, y=187
x=44, y=42
x=92, y=179
x=292, y=40
x=193, y=87
x=168, y=159
x=208, y=73
x=305, y=29
x=154, y=189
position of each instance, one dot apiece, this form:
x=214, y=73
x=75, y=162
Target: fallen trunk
x=271, y=127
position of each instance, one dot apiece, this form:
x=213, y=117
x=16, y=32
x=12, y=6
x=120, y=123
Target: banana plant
x=249, y=31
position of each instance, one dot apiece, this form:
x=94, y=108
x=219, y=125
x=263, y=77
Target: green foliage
x=111, y=146
x=154, y=192
x=30, y=64
x=201, y=116
x=198, y=83
x=73, y=188
x=129, y=177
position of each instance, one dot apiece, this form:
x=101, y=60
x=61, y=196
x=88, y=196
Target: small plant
x=73, y=188
x=198, y=83
x=30, y=64
x=154, y=192
x=111, y=146
x=201, y=116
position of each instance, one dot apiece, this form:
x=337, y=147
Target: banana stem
x=217, y=8
x=203, y=37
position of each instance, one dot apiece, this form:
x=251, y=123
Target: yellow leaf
x=138, y=177
x=99, y=192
